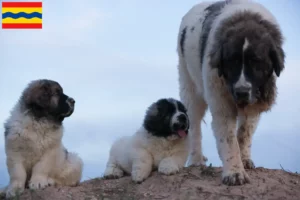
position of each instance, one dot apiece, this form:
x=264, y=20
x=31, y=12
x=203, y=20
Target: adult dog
x=159, y=143
x=230, y=55
x=35, y=154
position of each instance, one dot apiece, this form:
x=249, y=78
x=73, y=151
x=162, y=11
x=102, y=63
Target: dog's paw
x=248, y=164
x=40, y=182
x=139, y=175
x=113, y=172
x=168, y=167
x=235, y=177
x=196, y=159
x=14, y=189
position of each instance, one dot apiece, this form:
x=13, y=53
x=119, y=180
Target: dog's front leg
x=17, y=175
x=141, y=166
x=41, y=171
x=224, y=127
x=172, y=165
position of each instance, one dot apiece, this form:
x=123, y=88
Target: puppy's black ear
x=277, y=56
x=216, y=58
x=162, y=105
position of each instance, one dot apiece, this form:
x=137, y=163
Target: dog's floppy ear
x=277, y=57
x=216, y=58
x=152, y=110
x=38, y=95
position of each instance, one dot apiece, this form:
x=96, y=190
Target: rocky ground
x=191, y=183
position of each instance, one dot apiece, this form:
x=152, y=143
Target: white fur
x=200, y=89
x=36, y=149
x=246, y=44
x=242, y=82
x=141, y=153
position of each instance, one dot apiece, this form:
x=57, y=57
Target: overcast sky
x=117, y=57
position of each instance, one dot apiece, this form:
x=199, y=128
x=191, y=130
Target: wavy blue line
x=21, y=14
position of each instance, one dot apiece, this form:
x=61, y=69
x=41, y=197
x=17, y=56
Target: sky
x=117, y=57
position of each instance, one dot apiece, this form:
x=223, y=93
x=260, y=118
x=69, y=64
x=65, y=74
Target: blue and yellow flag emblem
x=21, y=15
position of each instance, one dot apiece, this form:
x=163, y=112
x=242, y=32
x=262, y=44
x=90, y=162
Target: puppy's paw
x=248, y=164
x=113, y=172
x=51, y=182
x=168, y=167
x=40, y=182
x=14, y=189
x=235, y=177
x=196, y=159
x=139, y=175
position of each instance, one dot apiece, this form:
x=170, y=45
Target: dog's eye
x=54, y=94
x=58, y=91
x=234, y=61
x=255, y=59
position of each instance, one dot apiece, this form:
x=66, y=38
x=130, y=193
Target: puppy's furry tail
x=72, y=170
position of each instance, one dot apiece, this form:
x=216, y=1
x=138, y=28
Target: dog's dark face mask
x=247, y=65
x=45, y=99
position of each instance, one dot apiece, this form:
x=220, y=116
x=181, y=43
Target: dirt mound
x=190, y=184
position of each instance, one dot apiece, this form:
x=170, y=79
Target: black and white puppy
x=159, y=143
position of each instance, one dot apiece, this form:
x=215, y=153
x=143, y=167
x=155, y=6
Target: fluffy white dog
x=36, y=157
x=159, y=143
x=230, y=55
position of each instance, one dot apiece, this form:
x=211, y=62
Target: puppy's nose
x=179, y=126
x=182, y=118
x=242, y=93
x=71, y=100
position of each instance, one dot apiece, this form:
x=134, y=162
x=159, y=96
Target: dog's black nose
x=71, y=100
x=179, y=126
x=182, y=118
x=242, y=93
x=182, y=122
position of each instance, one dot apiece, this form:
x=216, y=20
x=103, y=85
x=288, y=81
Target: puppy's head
x=46, y=99
x=247, y=52
x=167, y=118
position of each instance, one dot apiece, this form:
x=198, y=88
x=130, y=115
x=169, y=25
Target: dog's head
x=46, y=99
x=167, y=118
x=246, y=55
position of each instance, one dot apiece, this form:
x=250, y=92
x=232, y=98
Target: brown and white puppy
x=36, y=157
x=230, y=54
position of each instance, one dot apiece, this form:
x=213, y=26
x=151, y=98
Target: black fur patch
x=212, y=12
x=6, y=130
x=66, y=154
x=63, y=106
x=182, y=40
x=158, y=117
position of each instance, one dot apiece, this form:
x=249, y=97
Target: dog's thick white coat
x=200, y=88
x=37, y=147
x=142, y=152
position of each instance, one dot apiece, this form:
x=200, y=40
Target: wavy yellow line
x=26, y=10
x=22, y=21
